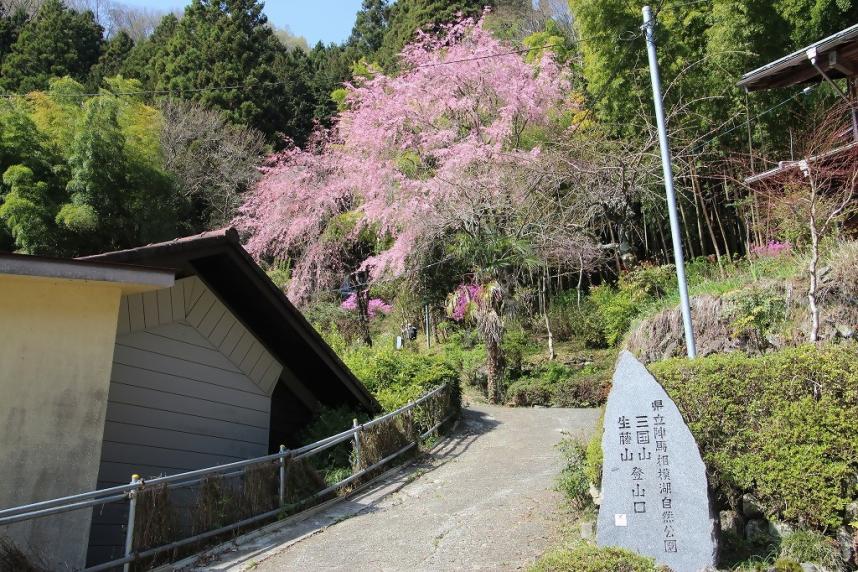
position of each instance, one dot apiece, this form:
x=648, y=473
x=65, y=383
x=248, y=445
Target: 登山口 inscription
x=655, y=497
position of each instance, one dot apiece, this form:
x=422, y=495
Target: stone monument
x=655, y=496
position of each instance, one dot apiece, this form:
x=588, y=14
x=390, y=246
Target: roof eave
x=796, y=58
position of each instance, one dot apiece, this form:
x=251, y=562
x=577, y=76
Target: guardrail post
x=357, y=443
x=132, y=515
x=282, y=475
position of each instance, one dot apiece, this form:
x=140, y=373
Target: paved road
x=484, y=500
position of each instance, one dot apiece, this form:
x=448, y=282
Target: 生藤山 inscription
x=654, y=492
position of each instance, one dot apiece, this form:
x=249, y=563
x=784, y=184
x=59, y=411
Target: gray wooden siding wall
x=179, y=398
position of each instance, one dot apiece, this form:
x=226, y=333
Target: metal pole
x=649, y=25
x=282, y=475
x=132, y=515
x=426, y=327
x=357, y=443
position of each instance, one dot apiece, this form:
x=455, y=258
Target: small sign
x=621, y=520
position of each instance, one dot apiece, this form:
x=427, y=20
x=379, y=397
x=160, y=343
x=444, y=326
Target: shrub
x=516, y=344
x=780, y=425
x=617, y=309
x=809, y=546
x=570, y=321
x=330, y=421
x=619, y=306
x=590, y=558
x=396, y=377
x=573, y=481
x=756, y=313
x=594, y=455
x=558, y=385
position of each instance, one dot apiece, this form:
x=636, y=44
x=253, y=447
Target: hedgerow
x=781, y=426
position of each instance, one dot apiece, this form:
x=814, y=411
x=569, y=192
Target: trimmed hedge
x=590, y=558
x=782, y=426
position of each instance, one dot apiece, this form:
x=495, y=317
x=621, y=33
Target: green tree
x=327, y=68
x=146, y=56
x=225, y=56
x=812, y=20
x=28, y=184
x=11, y=22
x=370, y=26
x=408, y=16
x=56, y=42
x=115, y=197
x=115, y=52
x=27, y=211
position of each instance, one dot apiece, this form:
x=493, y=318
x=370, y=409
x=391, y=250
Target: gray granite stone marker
x=655, y=497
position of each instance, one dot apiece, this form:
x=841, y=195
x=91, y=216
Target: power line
x=700, y=146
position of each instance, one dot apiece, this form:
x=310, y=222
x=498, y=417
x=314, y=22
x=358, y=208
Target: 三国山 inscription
x=655, y=494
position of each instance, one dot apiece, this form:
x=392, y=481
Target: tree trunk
x=494, y=367
x=645, y=234
x=664, y=249
x=551, y=354
x=699, y=194
x=363, y=313
x=812, y=267
x=697, y=215
x=616, y=249
x=727, y=250
x=685, y=227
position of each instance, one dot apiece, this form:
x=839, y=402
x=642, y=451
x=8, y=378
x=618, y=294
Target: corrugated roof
x=796, y=68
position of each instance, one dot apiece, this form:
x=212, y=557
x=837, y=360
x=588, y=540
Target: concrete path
x=482, y=500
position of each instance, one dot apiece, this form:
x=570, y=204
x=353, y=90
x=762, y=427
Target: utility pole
x=649, y=28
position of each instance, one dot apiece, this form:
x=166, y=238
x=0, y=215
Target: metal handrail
x=73, y=502
x=180, y=480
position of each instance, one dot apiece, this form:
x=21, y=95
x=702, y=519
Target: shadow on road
x=471, y=426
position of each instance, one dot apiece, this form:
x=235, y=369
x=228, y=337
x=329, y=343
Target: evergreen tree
x=370, y=26
x=57, y=42
x=112, y=60
x=145, y=57
x=328, y=68
x=408, y=16
x=225, y=56
x=11, y=22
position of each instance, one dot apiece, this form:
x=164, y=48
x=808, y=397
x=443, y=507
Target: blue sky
x=325, y=20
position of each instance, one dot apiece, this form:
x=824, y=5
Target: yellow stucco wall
x=56, y=349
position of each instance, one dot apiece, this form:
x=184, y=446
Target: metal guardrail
x=130, y=491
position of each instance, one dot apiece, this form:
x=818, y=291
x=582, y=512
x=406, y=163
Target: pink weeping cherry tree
x=449, y=152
